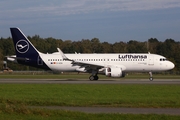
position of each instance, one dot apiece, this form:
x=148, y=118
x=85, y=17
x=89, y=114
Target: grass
x=21, y=113
x=9, y=110
x=116, y=95
x=67, y=115
x=15, y=98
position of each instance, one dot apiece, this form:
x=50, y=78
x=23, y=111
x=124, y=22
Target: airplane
x=111, y=65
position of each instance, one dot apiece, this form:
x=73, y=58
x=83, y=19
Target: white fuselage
x=128, y=62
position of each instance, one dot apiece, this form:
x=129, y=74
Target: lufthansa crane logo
x=22, y=46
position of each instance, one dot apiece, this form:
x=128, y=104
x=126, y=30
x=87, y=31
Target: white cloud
x=118, y=5
x=86, y=6
x=68, y=7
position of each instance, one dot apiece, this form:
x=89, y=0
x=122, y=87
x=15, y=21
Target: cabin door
x=150, y=60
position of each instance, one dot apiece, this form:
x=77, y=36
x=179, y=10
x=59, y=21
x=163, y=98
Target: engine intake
x=114, y=72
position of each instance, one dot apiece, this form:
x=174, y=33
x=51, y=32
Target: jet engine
x=114, y=72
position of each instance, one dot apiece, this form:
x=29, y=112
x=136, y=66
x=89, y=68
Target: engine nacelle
x=114, y=72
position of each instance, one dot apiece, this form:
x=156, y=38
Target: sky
x=108, y=20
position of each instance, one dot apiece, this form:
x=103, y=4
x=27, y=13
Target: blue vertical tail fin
x=23, y=47
x=26, y=53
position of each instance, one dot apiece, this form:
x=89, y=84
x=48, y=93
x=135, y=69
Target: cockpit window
x=163, y=59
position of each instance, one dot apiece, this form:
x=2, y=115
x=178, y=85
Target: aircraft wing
x=88, y=66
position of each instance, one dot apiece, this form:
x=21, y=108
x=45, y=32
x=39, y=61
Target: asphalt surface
x=71, y=81
x=170, y=111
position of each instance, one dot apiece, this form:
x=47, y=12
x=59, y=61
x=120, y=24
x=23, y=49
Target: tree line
x=168, y=48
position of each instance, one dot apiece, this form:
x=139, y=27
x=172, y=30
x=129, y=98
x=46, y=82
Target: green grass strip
x=116, y=95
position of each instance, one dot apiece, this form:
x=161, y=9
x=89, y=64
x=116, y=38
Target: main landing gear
x=93, y=77
x=150, y=78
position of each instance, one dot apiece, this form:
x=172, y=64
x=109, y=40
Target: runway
x=170, y=111
x=105, y=81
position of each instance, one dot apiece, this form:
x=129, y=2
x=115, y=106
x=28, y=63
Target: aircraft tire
x=151, y=78
x=96, y=77
x=91, y=78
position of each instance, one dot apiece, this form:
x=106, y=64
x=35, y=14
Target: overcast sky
x=109, y=20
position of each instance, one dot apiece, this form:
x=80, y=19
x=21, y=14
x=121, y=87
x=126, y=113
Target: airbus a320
x=111, y=65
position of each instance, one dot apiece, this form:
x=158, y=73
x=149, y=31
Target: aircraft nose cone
x=171, y=65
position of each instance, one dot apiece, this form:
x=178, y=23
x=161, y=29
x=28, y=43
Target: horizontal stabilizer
x=13, y=58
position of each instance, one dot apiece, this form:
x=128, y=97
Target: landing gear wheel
x=151, y=78
x=93, y=77
x=96, y=77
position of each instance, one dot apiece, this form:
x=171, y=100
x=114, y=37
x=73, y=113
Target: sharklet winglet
x=63, y=55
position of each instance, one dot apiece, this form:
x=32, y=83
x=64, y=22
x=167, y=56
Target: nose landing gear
x=150, y=78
